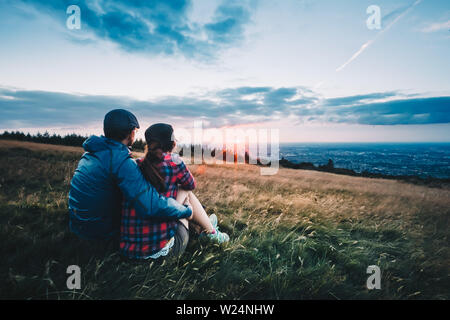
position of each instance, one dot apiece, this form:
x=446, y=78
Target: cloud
x=157, y=26
x=437, y=27
x=388, y=108
x=223, y=107
x=21, y=109
x=351, y=100
x=402, y=111
x=228, y=22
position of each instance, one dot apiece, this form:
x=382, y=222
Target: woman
x=153, y=238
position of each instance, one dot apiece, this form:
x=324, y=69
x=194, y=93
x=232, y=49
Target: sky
x=316, y=70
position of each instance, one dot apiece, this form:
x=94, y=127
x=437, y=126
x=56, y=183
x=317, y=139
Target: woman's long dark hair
x=154, y=154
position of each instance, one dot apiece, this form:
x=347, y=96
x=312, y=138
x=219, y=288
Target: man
x=106, y=174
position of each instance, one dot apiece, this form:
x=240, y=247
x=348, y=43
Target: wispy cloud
x=437, y=27
x=356, y=54
x=366, y=45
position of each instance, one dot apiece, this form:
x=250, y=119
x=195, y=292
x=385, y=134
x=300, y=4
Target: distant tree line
x=74, y=140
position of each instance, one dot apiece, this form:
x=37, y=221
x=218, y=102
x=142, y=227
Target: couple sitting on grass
x=144, y=206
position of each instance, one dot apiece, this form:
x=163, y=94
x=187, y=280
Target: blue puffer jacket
x=105, y=173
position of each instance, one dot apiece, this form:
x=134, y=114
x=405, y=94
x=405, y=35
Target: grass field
x=296, y=235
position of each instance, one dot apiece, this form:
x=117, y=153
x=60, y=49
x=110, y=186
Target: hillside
x=296, y=235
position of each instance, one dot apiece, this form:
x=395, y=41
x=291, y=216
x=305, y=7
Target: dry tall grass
x=297, y=234
x=330, y=196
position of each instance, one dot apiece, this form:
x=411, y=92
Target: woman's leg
x=199, y=215
x=181, y=198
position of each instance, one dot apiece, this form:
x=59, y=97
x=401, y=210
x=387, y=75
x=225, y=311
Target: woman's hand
x=188, y=204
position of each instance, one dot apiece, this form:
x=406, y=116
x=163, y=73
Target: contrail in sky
x=368, y=43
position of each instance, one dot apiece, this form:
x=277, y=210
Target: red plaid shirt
x=141, y=238
x=175, y=174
